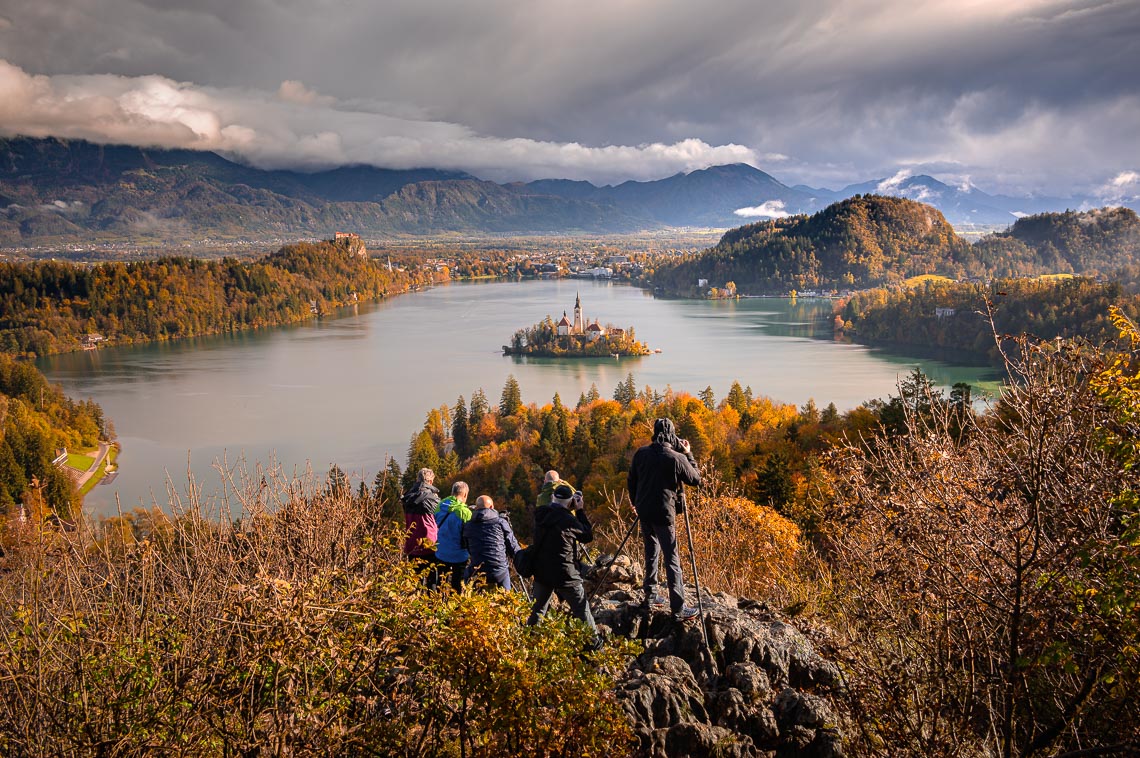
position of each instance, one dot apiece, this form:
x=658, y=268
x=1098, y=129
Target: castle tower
x=579, y=319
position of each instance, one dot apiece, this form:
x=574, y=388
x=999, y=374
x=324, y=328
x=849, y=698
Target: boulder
x=759, y=689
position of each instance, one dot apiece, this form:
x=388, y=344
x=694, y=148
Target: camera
x=578, y=499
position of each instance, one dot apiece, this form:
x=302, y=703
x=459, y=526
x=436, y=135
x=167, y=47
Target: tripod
x=610, y=565
x=696, y=579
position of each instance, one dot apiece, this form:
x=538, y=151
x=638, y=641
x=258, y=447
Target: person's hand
x=684, y=445
x=578, y=501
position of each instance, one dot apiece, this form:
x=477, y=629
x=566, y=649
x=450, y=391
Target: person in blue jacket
x=453, y=513
x=491, y=543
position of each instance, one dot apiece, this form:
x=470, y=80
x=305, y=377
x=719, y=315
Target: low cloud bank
x=770, y=209
x=297, y=127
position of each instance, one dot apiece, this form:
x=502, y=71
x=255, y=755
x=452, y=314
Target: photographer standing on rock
x=656, y=481
x=557, y=534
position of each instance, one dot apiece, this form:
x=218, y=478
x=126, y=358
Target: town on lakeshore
x=579, y=337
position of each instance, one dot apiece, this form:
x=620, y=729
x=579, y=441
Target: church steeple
x=579, y=319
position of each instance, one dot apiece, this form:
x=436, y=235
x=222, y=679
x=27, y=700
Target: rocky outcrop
x=763, y=690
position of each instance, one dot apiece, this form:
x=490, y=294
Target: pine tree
x=593, y=395
x=707, y=397
x=460, y=432
x=626, y=392
x=421, y=454
x=510, y=402
x=337, y=482
x=479, y=409
x=736, y=398
x=386, y=487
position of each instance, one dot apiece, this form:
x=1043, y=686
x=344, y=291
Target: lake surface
x=354, y=388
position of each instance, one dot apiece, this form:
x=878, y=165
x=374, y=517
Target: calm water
x=352, y=390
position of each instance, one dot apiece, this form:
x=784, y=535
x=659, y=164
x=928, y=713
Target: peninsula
x=575, y=339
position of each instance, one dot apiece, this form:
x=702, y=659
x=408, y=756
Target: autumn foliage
x=297, y=630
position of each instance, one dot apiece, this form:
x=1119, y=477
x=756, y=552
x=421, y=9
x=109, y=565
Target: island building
x=579, y=326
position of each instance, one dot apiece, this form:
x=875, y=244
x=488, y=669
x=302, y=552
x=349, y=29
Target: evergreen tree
x=510, y=402
x=421, y=454
x=736, y=398
x=809, y=413
x=593, y=395
x=707, y=397
x=386, y=488
x=479, y=409
x=830, y=414
x=460, y=432
x=337, y=482
x=774, y=485
x=626, y=392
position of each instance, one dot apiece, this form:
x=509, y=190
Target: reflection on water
x=352, y=389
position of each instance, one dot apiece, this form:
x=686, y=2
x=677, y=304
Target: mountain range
x=63, y=191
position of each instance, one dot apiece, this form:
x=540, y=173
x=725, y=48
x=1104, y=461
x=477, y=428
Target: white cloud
x=889, y=186
x=769, y=209
x=1126, y=179
x=296, y=126
x=1124, y=186
x=296, y=92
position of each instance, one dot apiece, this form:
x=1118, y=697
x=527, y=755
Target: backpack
x=526, y=558
x=524, y=561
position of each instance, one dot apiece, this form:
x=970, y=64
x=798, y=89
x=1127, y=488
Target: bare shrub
x=293, y=630
x=966, y=583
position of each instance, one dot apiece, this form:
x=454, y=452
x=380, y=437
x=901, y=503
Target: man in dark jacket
x=491, y=543
x=420, y=503
x=656, y=481
x=558, y=529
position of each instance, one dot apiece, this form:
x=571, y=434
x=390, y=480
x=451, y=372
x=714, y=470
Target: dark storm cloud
x=1014, y=95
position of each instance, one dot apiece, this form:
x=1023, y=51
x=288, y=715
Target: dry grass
x=295, y=629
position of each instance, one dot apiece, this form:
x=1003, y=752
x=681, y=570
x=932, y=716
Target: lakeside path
x=85, y=476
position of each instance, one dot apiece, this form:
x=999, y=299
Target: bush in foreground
x=296, y=631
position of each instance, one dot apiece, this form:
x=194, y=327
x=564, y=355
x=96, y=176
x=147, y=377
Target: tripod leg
x=610, y=565
x=697, y=582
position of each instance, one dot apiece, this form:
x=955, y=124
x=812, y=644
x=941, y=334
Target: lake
x=352, y=389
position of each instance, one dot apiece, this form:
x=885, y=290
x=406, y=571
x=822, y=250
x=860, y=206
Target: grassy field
x=80, y=461
x=112, y=454
x=915, y=281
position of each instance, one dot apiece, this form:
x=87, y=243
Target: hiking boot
x=686, y=613
x=657, y=601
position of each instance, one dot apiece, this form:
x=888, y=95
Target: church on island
x=579, y=337
x=578, y=326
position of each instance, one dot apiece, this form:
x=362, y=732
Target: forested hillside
x=1096, y=242
x=864, y=241
x=37, y=419
x=954, y=316
x=50, y=307
x=871, y=241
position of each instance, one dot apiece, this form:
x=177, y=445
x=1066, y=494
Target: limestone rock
x=763, y=691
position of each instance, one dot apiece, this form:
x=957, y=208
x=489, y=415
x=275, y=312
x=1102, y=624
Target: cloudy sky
x=1012, y=95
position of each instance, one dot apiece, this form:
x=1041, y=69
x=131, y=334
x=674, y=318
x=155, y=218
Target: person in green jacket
x=453, y=513
x=549, y=482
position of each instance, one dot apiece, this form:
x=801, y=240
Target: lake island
x=575, y=339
